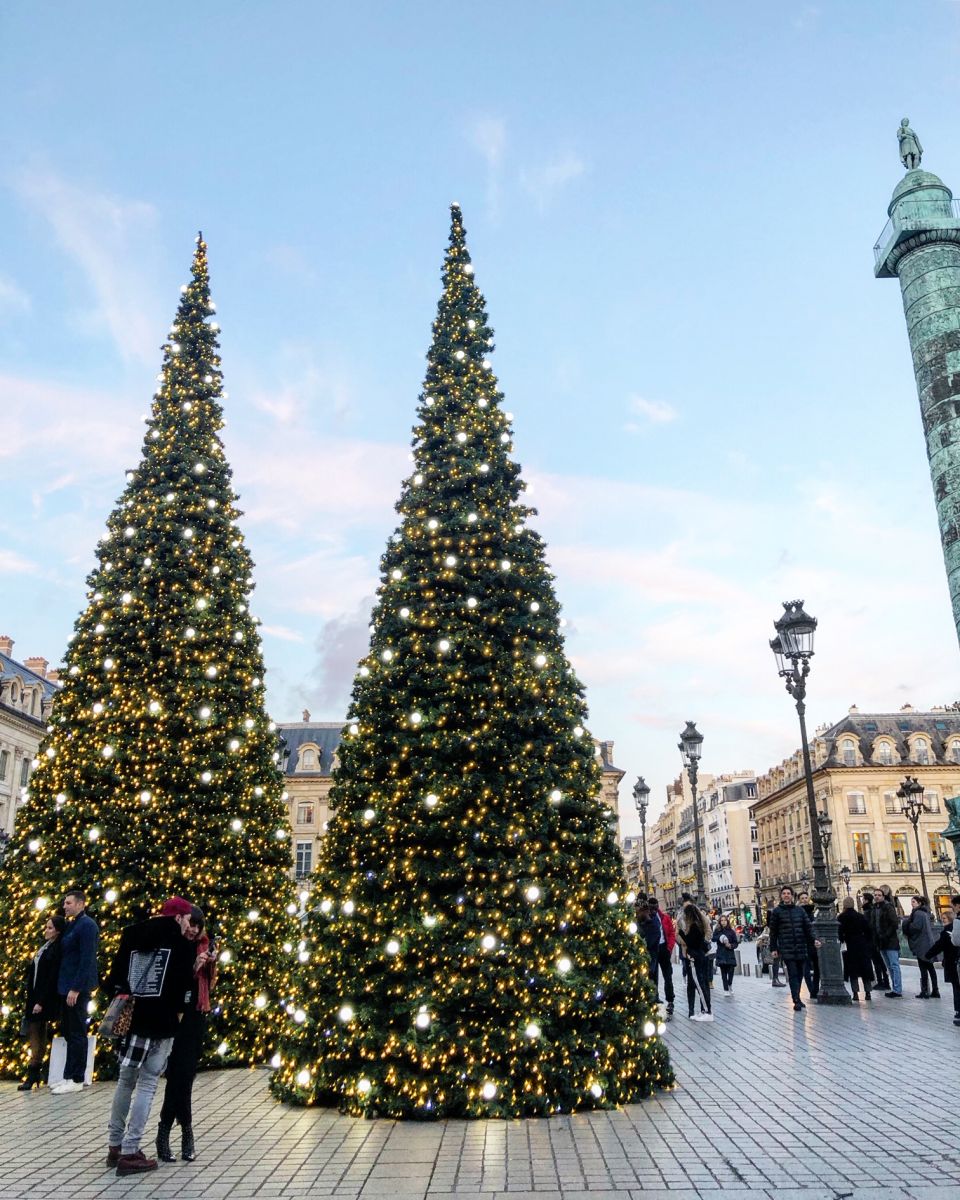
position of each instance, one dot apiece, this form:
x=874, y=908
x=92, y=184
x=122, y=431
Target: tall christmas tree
x=472, y=951
x=159, y=773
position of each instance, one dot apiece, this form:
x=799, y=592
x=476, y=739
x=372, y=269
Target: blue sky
x=671, y=209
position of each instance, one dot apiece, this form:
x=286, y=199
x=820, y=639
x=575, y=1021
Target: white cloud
x=545, y=181
x=655, y=412
x=489, y=136
x=13, y=563
x=12, y=297
x=282, y=633
x=108, y=238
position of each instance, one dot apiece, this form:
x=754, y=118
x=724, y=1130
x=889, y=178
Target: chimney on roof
x=306, y=715
x=37, y=665
x=853, y=709
x=6, y=645
x=54, y=675
x=906, y=708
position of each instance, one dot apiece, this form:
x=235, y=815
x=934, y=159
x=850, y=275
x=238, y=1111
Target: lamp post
x=845, y=874
x=758, y=918
x=641, y=795
x=793, y=649
x=690, y=746
x=910, y=795
x=944, y=863
x=736, y=896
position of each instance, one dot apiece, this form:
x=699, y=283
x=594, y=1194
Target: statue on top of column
x=910, y=149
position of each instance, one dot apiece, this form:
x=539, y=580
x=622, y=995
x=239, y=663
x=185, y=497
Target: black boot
x=188, y=1151
x=164, y=1153
x=32, y=1080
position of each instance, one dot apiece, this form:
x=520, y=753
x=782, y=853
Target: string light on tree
x=135, y=775
x=471, y=928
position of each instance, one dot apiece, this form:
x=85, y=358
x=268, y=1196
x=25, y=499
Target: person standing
x=188, y=1046
x=885, y=927
x=693, y=936
x=726, y=941
x=792, y=940
x=811, y=972
x=662, y=963
x=876, y=957
x=154, y=965
x=918, y=930
x=854, y=932
x=948, y=944
x=42, y=1003
x=76, y=979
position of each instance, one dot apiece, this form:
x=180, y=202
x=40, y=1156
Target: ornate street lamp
x=793, y=649
x=641, y=795
x=944, y=863
x=845, y=874
x=736, y=896
x=690, y=745
x=758, y=919
x=910, y=795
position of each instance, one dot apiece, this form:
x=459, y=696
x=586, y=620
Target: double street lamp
x=793, y=649
x=910, y=795
x=845, y=874
x=690, y=746
x=641, y=797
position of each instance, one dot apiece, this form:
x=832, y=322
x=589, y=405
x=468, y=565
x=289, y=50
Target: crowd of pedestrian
x=160, y=983
x=870, y=939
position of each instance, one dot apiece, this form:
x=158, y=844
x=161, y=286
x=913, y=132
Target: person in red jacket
x=661, y=963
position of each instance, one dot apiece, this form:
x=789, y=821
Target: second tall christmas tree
x=471, y=951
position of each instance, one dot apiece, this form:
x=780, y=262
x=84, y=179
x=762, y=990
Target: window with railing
x=304, y=858
x=898, y=851
x=856, y=802
x=891, y=803
x=936, y=845
x=861, y=851
x=931, y=802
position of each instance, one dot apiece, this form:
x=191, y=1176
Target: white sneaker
x=706, y=1016
x=699, y=1017
x=65, y=1088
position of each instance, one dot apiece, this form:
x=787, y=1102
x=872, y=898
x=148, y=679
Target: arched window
x=955, y=750
x=885, y=754
x=849, y=750
x=922, y=751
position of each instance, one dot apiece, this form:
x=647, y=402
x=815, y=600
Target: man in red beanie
x=154, y=965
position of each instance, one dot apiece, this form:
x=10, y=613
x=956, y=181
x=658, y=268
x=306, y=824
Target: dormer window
x=921, y=751
x=885, y=754
x=309, y=759
x=955, y=750
x=848, y=749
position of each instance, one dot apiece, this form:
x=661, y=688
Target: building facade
x=309, y=757
x=858, y=766
x=731, y=845
x=27, y=690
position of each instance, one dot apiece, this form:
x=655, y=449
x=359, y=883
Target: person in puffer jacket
x=792, y=940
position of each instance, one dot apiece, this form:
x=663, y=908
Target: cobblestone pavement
x=772, y=1105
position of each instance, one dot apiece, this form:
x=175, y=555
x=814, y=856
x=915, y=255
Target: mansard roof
x=940, y=727
x=325, y=735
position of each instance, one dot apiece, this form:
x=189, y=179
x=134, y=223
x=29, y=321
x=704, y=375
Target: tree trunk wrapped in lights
x=159, y=773
x=471, y=948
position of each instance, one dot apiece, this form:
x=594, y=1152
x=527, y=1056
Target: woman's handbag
x=118, y=1017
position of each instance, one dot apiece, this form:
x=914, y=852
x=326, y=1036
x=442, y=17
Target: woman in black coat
x=854, y=932
x=726, y=941
x=42, y=1003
